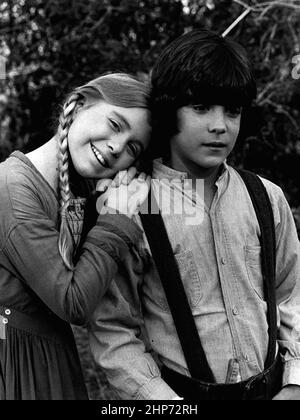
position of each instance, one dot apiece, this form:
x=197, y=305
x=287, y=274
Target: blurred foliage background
x=51, y=46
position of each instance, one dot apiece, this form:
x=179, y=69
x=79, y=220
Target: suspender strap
x=264, y=214
x=166, y=264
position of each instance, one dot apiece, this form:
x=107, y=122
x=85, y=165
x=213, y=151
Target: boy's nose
x=217, y=122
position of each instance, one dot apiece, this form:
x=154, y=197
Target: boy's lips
x=100, y=156
x=215, y=144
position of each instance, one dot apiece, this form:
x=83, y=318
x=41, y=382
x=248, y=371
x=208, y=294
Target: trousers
x=263, y=386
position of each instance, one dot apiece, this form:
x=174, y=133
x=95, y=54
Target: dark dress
x=39, y=359
x=39, y=297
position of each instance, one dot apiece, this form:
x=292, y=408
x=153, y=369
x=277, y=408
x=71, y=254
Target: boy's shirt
x=219, y=262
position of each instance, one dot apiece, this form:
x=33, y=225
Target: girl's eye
x=133, y=149
x=115, y=126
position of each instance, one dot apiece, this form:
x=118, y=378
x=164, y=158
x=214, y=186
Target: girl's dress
x=39, y=297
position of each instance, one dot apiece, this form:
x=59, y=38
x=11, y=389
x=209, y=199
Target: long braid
x=66, y=242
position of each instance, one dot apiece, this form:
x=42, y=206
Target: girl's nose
x=117, y=144
x=217, y=123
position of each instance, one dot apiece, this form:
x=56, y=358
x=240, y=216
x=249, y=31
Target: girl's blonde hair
x=118, y=89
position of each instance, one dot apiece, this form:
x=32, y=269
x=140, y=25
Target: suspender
x=170, y=277
x=265, y=217
x=163, y=256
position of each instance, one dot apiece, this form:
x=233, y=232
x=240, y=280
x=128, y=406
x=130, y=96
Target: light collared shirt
x=133, y=333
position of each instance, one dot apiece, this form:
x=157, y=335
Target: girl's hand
x=122, y=177
x=125, y=177
x=124, y=194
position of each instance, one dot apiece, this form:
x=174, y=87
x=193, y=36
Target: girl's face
x=105, y=139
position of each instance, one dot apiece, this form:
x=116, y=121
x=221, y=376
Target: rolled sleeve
x=119, y=342
x=156, y=389
x=291, y=373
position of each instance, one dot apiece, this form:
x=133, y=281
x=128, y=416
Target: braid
x=66, y=242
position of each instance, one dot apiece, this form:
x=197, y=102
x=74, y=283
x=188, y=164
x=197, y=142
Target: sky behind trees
x=47, y=47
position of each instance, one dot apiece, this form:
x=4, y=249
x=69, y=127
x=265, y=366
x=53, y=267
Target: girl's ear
x=81, y=106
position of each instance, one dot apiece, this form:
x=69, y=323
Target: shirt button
x=235, y=311
x=5, y=320
x=223, y=261
x=7, y=311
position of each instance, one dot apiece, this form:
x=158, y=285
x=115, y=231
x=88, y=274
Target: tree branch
x=236, y=22
x=262, y=8
x=241, y=3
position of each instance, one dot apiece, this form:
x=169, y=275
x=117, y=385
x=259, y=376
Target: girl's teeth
x=98, y=155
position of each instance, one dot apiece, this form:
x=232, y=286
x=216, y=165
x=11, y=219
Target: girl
x=46, y=280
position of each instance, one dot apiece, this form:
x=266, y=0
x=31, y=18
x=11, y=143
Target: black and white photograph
x=149, y=203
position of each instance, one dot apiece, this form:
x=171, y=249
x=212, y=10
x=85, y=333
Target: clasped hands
x=123, y=194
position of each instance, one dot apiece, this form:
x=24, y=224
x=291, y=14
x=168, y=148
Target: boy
x=200, y=83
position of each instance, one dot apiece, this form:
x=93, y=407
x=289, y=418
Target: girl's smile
x=100, y=158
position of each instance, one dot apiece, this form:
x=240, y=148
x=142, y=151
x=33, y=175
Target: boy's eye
x=200, y=108
x=115, y=125
x=234, y=111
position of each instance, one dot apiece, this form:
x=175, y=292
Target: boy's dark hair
x=199, y=67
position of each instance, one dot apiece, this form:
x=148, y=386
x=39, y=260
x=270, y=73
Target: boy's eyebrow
x=123, y=119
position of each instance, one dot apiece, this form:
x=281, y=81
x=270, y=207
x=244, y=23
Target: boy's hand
x=289, y=392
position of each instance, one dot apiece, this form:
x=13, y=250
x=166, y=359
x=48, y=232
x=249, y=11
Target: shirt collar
x=161, y=171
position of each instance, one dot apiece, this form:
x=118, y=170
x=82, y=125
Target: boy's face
x=207, y=135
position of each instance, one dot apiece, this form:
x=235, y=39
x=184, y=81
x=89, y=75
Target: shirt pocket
x=190, y=279
x=254, y=271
